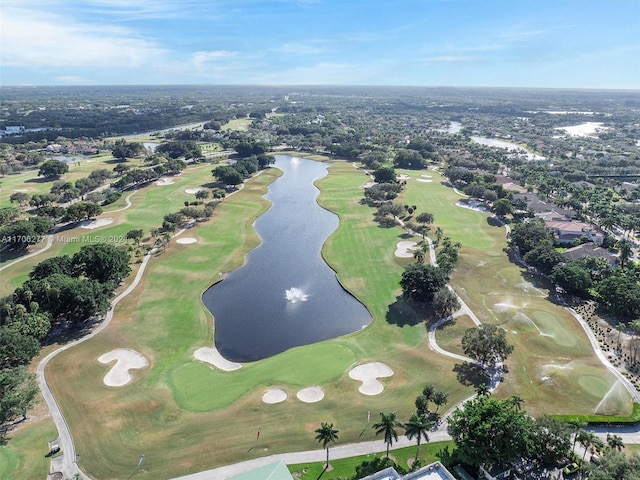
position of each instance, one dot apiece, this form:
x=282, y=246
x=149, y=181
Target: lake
x=285, y=295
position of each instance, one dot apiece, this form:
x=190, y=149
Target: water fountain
x=295, y=295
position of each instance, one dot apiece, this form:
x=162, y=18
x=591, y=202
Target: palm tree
x=419, y=255
x=482, y=390
x=439, y=233
x=626, y=250
x=517, y=402
x=418, y=426
x=586, y=439
x=326, y=435
x=615, y=442
x=620, y=327
x=578, y=425
x=387, y=425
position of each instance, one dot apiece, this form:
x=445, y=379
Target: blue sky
x=519, y=43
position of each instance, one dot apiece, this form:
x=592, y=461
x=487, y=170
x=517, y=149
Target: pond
x=285, y=295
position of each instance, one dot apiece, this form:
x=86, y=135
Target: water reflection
x=285, y=295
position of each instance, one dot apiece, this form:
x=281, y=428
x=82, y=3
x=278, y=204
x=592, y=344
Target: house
x=590, y=250
x=566, y=231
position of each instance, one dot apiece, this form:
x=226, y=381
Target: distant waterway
x=454, y=127
x=285, y=295
x=70, y=158
x=512, y=147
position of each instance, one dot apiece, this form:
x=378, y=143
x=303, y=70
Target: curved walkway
x=46, y=247
x=49, y=237
x=127, y=200
x=66, y=462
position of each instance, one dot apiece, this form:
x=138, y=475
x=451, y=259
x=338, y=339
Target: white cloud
x=35, y=39
x=203, y=59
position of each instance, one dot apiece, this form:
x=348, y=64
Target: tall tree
x=614, y=442
x=387, y=426
x=490, y=431
x=326, y=434
x=418, y=426
x=421, y=282
x=487, y=344
x=102, y=262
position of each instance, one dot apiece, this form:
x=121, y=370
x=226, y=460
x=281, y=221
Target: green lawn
x=23, y=457
x=346, y=467
x=187, y=417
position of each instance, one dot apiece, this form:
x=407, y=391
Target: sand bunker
x=213, y=357
x=165, y=181
x=424, y=180
x=126, y=360
x=405, y=249
x=424, y=175
x=310, y=395
x=193, y=191
x=403, y=177
x=21, y=190
x=368, y=374
x=274, y=395
x=187, y=240
x=101, y=222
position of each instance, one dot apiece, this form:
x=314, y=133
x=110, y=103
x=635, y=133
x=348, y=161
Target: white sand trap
x=424, y=175
x=368, y=374
x=165, y=181
x=21, y=190
x=125, y=360
x=403, y=176
x=101, y=222
x=274, y=395
x=405, y=249
x=213, y=357
x=187, y=240
x=193, y=191
x=424, y=180
x=310, y=395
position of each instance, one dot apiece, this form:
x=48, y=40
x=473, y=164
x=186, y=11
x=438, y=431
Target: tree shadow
x=322, y=473
x=494, y=222
x=470, y=374
x=400, y=313
x=41, y=180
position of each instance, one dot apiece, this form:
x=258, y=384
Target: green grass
x=23, y=457
x=241, y=124
x=188, y=417
x=346, y=467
